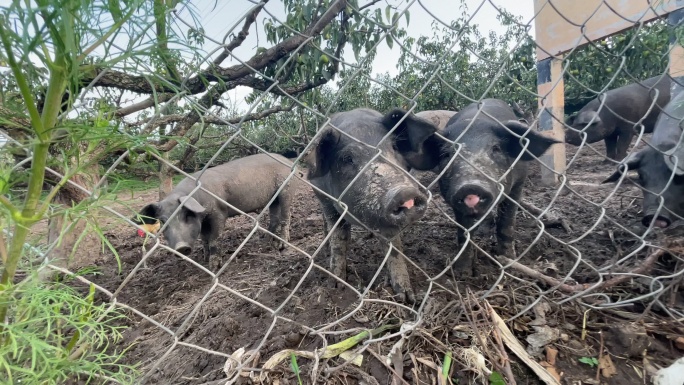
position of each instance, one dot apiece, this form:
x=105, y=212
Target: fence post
x=551, y=94
x=675, y=19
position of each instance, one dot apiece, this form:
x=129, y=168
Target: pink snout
x=471, y=200
x=408, y=204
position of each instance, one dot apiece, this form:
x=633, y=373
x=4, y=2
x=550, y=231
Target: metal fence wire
x=580, y=248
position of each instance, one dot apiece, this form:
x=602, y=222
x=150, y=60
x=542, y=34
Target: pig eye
x=348, y=159
x=496, y=148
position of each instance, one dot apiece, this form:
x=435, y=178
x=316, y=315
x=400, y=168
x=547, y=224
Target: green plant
x=56, y=334
x=591, y=361
x=295, y=367
x=496, y=379
x=51, y=333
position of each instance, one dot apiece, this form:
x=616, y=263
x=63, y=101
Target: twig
x=382, y=361
x=598, y=367
x=506, y=362
x=516, y=347
x=645, y=266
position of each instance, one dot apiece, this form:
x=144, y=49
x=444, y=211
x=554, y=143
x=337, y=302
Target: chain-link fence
x=387, y=245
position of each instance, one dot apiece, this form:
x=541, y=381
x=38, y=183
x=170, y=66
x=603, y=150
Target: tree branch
x=213, y=119
x=230, y=75
x=279, y=50
x=147, y=103
x=14, y=124
x=241, y=36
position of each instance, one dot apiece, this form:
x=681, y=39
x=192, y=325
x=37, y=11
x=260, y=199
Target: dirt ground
x=186, y=301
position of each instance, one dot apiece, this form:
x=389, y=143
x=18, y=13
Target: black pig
x=383, y=197
x=487, y=134
x=247, y=183
x=656, y=165
x=616, y=121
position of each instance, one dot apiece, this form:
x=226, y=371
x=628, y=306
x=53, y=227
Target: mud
x=224, y=318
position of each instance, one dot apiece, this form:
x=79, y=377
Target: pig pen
x=169, y=290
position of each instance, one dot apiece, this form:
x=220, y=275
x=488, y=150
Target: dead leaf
x=354, y=357
x=427, y=362
x=540, y=311
x=542, y=336
x=551, y=369
x=679, y=343
x=606, y=365
x=519, y=327
x=551, y=354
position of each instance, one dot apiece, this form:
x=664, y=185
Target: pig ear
x=412, y=131
x=538, y=143
x=414, y=139
x=319, y=156
x=148, y=215
x=633, y=162
x=191, y=204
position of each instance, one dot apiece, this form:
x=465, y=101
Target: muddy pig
x=247, y=183
x=616, y=121
x=383, y=197
x=656, y=165
x=486, y=135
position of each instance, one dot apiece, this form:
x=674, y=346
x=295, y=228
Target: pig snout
x=405, y=204
x=661, y=221
x=473, y=199
x=183, y=248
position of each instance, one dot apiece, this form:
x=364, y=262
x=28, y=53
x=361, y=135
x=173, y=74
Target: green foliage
x=362, y=29
x=55, y=334
x=591, y=361
x=52, y=332
x=496, y=379
x=621, y=59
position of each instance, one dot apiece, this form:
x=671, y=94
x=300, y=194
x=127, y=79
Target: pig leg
x=611, y=147
x=339, y=240
x=505, y=223
x=623, y=141
x=279, y=223
x=464, y=264
x=398, y=272
x=211, y=228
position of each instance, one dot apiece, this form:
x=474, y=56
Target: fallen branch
x=643, y=267
x=213, y=119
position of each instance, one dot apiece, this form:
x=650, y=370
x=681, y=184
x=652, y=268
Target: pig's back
x=438, y=117
x=247, y=183
x=633, y=101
